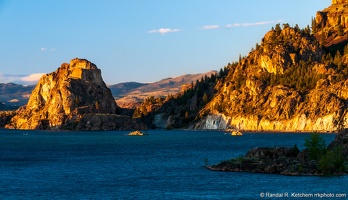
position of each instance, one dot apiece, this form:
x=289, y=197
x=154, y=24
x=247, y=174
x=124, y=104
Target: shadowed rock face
x=65, y=96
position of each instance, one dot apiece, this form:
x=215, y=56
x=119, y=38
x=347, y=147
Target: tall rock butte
x=73, y=97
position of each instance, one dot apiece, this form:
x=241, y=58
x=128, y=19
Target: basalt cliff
x=294, y=80
x=74, y=97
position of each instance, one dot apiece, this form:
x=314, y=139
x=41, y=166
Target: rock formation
x=5, y=117
x=339, y=1
x=287, y=83
x=73, y=97
x=291, y=161
x=295, y=80
x=330, y=25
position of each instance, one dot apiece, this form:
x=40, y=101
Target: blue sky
x=138, y=40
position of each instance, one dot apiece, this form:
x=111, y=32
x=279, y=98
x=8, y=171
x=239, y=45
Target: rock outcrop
x=283, y=109
x=295, y=80
x=290, y=82
x=335, y=15
x=339, y=1
x=5, y=117
x=291, y=161
x=73, y=97
x=330, y=25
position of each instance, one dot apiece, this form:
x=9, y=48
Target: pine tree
x=297, y=28
x=278, y=29
x=205, y=98
x=345, y=51
x=314, y=26
x=337, y=60
x=316, y=146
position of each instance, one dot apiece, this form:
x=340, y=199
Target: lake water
x=162, y=165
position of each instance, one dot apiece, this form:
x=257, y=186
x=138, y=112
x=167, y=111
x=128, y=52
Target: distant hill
x=121, y=89
x=14, y=95
x=130, y=94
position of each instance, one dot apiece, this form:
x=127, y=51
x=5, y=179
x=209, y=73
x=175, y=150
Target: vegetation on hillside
x=185, y=105
x=299, y=62
x=329, y=161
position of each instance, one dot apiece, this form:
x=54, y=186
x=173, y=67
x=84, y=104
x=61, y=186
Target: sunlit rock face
x=65, y=96
x=254, y=97
x=339, y=1
x=331, y=17
x=283, y=110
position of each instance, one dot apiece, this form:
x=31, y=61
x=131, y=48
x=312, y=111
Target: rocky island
x=316, y=159
x=74, y=97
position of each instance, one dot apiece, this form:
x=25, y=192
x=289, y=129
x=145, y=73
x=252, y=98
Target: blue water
x=162, y=165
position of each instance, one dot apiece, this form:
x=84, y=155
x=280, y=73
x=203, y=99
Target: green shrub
x=332, y=162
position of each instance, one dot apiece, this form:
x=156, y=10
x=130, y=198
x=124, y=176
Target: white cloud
x=253, y=24
x=32, y=77
x=164, y=31
x=46, y=49
x=208, y=27
x=21, y=79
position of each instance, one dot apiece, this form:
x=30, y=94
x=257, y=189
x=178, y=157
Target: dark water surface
x=162, y=165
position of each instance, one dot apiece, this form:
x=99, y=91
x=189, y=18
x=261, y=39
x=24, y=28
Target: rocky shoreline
x=290, y=161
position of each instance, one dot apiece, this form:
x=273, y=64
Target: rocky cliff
x=330, y=25
x=73, y=97
x=339, y=2
x=5, y=117
x=291, y=82
x=295, y=80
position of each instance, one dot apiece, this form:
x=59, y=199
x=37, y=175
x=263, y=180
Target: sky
x=137, y=40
